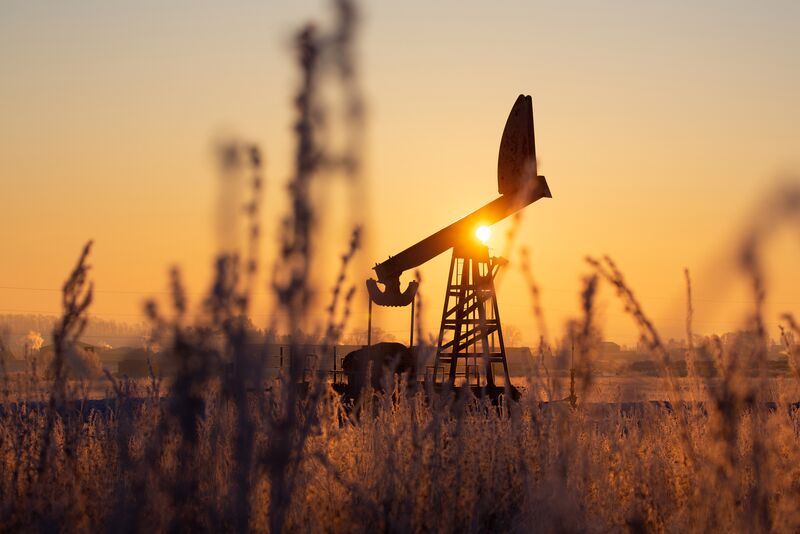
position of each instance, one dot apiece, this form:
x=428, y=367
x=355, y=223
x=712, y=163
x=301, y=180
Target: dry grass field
x=215, y=450
x=216, y=458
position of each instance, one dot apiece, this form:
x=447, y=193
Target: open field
x=639, y=388
x=446, y=465
x=602, y=389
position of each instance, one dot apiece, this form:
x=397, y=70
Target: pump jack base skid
x=492, y=393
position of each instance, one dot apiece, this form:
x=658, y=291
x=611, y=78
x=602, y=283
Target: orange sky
x=658, y=126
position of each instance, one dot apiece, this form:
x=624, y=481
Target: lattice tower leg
x=470, y=329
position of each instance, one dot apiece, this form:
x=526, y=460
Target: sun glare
x=483, y=233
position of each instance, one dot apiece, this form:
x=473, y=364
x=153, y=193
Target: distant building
x=520, y=361
x=609, y=349
x=11, y=363
x=83, y=362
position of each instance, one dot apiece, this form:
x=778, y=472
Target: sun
x=483, y=233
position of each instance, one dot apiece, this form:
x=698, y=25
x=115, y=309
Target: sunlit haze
x=660, y=128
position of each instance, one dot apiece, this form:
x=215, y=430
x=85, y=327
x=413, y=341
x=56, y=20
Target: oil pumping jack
x=470, y=316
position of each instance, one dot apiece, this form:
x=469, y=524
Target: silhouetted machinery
x=470, y=341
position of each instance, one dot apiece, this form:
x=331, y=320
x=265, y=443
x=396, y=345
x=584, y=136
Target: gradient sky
x=660, y=127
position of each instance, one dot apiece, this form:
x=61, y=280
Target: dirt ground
x=599, y=389
x=642, y=388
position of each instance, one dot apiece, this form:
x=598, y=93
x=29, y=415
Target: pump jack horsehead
x=470, y=316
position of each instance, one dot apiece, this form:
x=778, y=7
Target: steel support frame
x=470, y=285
